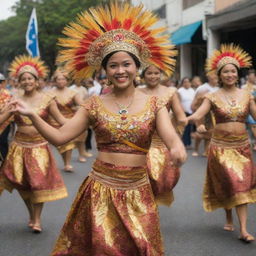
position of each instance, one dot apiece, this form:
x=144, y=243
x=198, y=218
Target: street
x=186, y=228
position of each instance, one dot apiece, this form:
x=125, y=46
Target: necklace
x=230, y=100
x=123, y=110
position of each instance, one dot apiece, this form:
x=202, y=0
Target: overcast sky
x=5, y=6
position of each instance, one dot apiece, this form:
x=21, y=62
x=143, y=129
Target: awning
x=185, y=33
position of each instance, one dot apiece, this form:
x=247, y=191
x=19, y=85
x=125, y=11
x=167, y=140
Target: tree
x=52, y=16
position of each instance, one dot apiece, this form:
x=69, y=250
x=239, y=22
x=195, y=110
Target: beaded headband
x=228, y=54
x=23, y=63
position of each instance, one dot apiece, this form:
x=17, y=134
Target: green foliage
x=52, y=16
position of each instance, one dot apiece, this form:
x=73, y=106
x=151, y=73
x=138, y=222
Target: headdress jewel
x=228, y=54
x=114, y=27
x=24, y=63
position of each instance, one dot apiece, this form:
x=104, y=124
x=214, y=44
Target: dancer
x=208, y=121
x=163, y=175
x=67, y=101
x=231, y=176
x=30, y=166
x=115, y=212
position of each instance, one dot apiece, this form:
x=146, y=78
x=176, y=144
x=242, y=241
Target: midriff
x=122, y=158
x=231, y=127
x=30, y=130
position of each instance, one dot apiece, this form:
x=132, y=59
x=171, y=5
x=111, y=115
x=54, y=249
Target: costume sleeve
x=91, y=106
x=158, y=103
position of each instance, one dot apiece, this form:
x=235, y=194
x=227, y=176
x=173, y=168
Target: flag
x=32, y=35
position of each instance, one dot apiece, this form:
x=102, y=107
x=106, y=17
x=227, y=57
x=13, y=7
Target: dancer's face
x=152, y=76
x=121, y=70
x=28, y=82
x=229, y=75
x=61, y=81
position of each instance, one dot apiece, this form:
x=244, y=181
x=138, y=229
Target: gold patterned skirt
x=231, y=174
x=114, y=213
x=163, y=175
x=31, y=169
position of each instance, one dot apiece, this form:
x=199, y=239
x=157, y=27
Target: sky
x=5, y=6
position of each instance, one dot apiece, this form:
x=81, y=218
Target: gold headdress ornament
x=114, y=27
x=228, y=54
x=24, y=63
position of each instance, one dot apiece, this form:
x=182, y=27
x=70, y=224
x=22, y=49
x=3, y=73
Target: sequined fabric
x=31, y=169
x=108, y=218
x=231, y=174
x=225, y=112
x=163, y=175
x=112, y=128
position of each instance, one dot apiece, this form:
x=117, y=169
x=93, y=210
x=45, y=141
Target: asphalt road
x=186, y=228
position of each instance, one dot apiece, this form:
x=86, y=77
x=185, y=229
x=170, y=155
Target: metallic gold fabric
x=231, y=174
x=163, y=175
x=114, y=213
x=31, y=169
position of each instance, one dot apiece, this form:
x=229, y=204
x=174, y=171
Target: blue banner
x=32, y=35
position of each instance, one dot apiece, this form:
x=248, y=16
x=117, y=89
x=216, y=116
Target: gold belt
x=30, y=145
x=229, y=144
x=118, y=183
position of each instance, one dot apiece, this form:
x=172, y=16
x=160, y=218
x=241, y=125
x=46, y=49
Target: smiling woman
x=29, y=166
x=231, y=175
x=114, y=212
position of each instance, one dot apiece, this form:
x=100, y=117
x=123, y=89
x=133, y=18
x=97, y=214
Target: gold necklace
x=230, y=100
x=123, y=110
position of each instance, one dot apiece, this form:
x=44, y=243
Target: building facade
x=199, y=26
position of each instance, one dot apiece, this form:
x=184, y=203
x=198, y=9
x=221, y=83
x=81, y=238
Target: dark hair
x=145, y=70
x=251, y=71
x=36, y=78
x=184, y=78
x=219, y=71
x=105, y=60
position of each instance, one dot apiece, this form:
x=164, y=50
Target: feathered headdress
x=228, y=54
x=114, y=27
x=24, y=63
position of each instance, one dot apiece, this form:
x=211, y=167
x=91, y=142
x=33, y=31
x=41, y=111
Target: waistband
x=26, y=140
x=229, y=140
x=119, y=177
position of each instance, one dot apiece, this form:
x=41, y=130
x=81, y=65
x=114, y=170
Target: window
x=189, y=3
x=161, y=12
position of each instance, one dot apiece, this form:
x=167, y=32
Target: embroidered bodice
x=225, y=111
x=42, y=110
x=112, y=129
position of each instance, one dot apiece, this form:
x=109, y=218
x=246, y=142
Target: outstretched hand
x=201, y=128
x=17, y=105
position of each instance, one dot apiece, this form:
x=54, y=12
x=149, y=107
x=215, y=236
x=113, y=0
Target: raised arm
x=70, y=130
x=201, y=111
x=169, y=136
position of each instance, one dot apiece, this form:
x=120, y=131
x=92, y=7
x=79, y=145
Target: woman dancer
x=163, y=175
x=29, y=166
x=67, y=101
x=114, y=212
x=231, y=176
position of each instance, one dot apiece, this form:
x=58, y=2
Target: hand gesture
x=21, y=107
x=201, y=128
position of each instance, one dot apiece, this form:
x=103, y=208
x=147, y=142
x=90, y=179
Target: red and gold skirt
x=31, y=169
x=162, y=173
x=114, y=213
x=231, y=174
